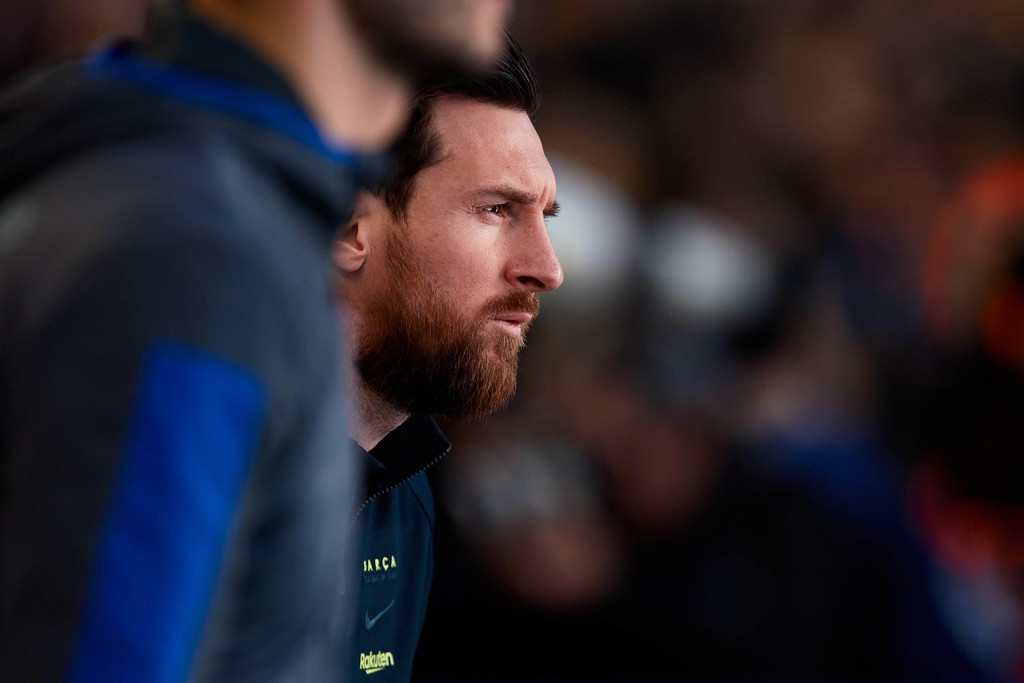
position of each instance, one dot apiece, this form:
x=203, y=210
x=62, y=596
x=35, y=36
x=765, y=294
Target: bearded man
x=440, y=268
x=172, y=502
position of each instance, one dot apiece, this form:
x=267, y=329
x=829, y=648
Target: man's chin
x=493, y=389
x=503, y=343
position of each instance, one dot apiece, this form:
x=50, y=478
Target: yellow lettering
x=385, y=563
x=373, y=662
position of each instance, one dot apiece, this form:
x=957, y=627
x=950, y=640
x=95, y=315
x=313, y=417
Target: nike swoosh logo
x=370, y=623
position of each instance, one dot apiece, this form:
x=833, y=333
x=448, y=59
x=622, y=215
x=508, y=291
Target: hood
x=53, y=115
x=46, y=116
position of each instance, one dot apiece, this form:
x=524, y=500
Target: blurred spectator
x=967, y=485
x=968, y=503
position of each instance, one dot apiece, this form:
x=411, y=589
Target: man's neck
x=353, y=98
x=373, y=418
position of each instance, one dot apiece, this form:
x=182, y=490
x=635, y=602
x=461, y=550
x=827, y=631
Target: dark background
x=784, y=227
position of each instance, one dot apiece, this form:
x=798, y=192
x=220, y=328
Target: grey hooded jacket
x=175, y=497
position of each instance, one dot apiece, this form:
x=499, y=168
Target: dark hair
x=509, y=84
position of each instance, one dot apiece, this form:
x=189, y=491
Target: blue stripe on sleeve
x=195, y=428
x=217, y=93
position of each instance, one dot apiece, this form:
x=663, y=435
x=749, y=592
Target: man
x=173, y=503
x=439, y=270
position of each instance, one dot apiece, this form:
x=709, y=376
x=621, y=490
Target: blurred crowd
x=772, y=425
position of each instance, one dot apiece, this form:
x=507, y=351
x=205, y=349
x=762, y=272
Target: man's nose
x=535, y=265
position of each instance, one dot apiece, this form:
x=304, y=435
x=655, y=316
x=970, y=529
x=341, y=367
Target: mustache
x=525, y=302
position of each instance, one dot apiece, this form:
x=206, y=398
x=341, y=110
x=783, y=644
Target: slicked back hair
x=509, y=84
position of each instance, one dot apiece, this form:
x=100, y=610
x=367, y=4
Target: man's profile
x=440, y=271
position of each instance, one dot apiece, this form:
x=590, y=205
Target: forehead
x=484, y=144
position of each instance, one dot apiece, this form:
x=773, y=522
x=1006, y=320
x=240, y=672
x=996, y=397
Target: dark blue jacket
x=396, y=563
x=172, y=502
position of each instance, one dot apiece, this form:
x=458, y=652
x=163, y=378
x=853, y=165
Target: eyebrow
x=517, y=196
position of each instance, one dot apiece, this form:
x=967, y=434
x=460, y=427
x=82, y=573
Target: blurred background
x=772, y=426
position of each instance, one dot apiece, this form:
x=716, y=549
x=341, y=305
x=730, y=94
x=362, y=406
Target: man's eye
x=496, y=209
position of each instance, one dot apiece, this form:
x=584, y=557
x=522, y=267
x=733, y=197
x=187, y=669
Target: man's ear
x=356, y=239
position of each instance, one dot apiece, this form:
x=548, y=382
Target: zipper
x=399, y=482
x=378, y=494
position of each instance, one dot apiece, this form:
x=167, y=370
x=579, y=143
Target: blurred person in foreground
x=440, y=268
x=174, y=501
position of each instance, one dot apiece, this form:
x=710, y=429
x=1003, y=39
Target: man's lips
x=514, y=322
x=516, y=317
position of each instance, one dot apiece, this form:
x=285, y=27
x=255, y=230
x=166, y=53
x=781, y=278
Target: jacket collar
x=191, y=43
x=415, y=445
x=198, y=66
x=194, y=63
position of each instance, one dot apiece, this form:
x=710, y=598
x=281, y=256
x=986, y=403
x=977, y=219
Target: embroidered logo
x=377, y=564
x=372, y=621
x=377, y=569
x=374, y=662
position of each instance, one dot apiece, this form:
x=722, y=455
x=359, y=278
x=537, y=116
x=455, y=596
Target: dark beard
x=421, y=356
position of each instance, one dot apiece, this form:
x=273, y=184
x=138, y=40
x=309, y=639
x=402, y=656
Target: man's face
x=445, y=314
x=429, y=40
